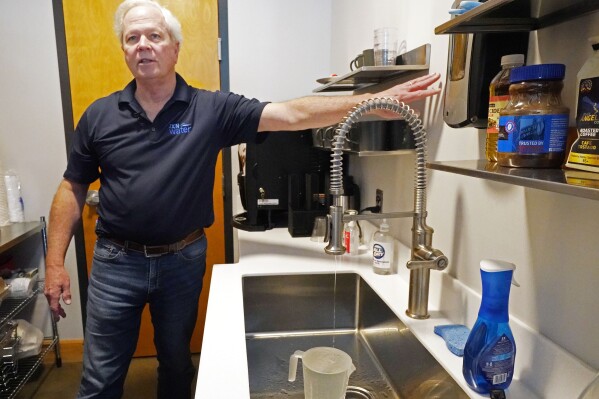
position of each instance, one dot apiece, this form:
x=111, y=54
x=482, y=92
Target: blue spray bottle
x=490, y=350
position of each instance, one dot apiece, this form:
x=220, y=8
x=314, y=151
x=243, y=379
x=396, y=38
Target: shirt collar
x=182, y=92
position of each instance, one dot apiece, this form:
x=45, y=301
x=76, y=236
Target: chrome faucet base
x=335, y=216
x=417, y=316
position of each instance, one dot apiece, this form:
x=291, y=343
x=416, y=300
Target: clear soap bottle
x=351, y=235
x=382, y=250
x=499, y=96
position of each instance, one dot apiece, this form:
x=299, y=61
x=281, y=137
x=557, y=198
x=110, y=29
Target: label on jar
x=532, y=134
x=584, y=153
x=496, y=105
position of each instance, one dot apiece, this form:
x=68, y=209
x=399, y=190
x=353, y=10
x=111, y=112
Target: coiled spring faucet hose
x=418, y=131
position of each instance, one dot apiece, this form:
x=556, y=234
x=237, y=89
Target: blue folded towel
x=455, y=336
x=464, y=6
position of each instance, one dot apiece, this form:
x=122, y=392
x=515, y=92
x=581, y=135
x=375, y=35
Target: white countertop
x=223, y=364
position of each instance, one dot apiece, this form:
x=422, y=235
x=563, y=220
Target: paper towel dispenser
x=473, y=60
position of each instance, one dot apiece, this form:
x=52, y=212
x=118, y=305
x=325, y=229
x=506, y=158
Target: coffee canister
x=533, y=127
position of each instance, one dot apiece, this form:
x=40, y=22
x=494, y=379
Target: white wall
x=31, y=128
x=278, y=47
x=551, y=237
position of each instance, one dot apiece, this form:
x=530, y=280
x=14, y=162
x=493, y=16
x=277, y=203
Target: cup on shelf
x=365, y=58
x=386, y=46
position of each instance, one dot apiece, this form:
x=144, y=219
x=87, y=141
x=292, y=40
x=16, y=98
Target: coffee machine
x=283, y=183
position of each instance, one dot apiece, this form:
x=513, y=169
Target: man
x=154, y=147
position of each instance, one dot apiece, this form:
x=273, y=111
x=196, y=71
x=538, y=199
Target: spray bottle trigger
x=514, y=282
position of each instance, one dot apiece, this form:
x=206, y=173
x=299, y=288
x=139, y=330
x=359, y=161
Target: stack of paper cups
x=13, y=196
x=4, y=217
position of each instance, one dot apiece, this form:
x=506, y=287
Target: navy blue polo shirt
x=157, y=177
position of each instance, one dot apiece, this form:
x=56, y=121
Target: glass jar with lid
x=533, y=127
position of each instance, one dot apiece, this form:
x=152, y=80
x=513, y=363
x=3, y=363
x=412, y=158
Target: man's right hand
x=57, y=285
x=65, y=213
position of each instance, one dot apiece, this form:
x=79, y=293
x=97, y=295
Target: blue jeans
x=121, y=283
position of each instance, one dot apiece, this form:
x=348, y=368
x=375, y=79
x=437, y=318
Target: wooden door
x=97, y=68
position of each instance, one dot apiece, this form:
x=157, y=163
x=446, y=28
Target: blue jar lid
x=538, y=72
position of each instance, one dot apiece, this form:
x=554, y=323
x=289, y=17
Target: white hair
x=172, y=23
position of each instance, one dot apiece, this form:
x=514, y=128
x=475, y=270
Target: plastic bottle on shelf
x=490, y=351
x=351, y=235
x=12, y=186
x=382, y=250
x=499, y=96
x=584, y=152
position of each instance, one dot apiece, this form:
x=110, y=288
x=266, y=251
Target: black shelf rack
x=10, y=237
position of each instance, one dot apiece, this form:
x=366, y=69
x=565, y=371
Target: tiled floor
x=53, y=383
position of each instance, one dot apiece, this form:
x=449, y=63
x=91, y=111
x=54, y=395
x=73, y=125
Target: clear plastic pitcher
x=326, y=372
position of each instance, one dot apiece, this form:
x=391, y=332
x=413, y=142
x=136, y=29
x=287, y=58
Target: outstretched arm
x=65, y=213
x=318, y=111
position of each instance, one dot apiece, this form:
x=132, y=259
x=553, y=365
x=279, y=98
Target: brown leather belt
x=156, y=250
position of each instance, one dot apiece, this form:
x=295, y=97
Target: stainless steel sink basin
x=284, y=313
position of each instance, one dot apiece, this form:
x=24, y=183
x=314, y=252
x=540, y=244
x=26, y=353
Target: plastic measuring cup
x=326, y=372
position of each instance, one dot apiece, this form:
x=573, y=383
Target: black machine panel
x=280, y=172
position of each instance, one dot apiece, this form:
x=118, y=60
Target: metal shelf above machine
x=414, y=60
x=15, y=233
x=517, y=15
x=574, y=183
x=379, y=153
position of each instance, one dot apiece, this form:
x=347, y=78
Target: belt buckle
x=147, y=255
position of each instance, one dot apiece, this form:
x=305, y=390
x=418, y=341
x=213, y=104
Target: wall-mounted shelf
x=382, y=153
x=517, y=15
x=414, y=60
x=554, y=180
x=15, y=233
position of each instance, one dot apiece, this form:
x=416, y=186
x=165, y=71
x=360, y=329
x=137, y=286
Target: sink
x=284, y=313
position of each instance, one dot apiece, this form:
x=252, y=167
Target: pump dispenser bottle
x=490, y=350
x=382, y=250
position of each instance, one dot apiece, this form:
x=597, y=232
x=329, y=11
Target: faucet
x=424, y=257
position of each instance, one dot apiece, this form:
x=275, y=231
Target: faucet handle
x=436, y=260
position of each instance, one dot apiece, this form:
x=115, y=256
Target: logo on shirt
x=179, y=128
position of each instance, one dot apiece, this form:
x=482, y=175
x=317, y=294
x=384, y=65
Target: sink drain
x=358, y=393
